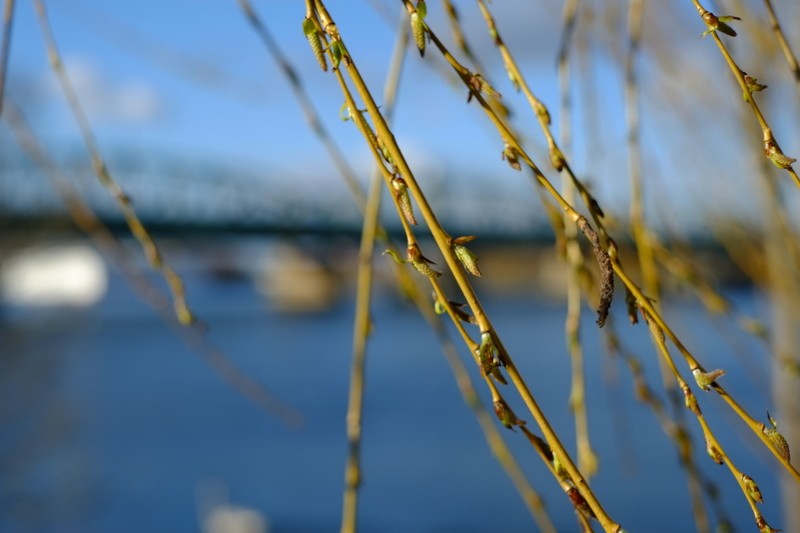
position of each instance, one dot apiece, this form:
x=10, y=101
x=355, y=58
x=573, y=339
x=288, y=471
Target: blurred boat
x=53, y=276
x=295, y=281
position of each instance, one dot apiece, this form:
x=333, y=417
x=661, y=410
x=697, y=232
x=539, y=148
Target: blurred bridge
x=182, y=194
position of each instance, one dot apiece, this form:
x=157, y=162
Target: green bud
x=425, y=269
x=421, y=263
x=468, y=259
x=776, y=439
x=337, y=51
x=706, y=379
x=418, y=31
x=778, y=158
x=487, y=355
x=752, y=489
x=714, y=23
x=312, y=34
x=422, y=8
x=752, y=86
x=403, y=199
x=462, y=315
x=385, y=151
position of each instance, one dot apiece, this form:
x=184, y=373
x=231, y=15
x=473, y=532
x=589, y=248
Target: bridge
x=174, y=193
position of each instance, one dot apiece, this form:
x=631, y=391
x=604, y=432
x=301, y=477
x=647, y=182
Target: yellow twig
x=771, y=146
x=791, y=58
x=444, y=242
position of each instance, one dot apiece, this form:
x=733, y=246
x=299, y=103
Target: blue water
x=108, y=423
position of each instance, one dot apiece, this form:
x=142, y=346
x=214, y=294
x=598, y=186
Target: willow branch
x=790, y=56
x=142, y=235
x=772, y=149
x=194, y=336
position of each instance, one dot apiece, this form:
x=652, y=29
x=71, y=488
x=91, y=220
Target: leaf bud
x=312, y=34
x=706, y=379
x=752, y=86
x=776, y=439
x=421, y=263
x=541, y=111
x=714, y=452
x=418, y=30
x=466, y=256
x=778, y=158
x=506, y=415
x=752, y=489
x=556, y=158
x=403, y=199
x=510, y=154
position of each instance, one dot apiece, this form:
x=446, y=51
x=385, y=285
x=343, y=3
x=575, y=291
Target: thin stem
x=311, y=116
x=643, y=301
x=652, y=314
x=791, y=58
x=738, y=74
x=496, y=444
x=644, y=243
x=194, y=337
x=151, y=250
x=493, y=438
x=5, y=47
x=443, y=241
x=361, y=327
x=542, y=115
x=587, y=459
x=362, y=321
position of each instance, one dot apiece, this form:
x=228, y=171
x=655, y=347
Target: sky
x=128, y=61
x=192, y=79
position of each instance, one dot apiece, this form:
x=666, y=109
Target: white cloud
x=110, y=100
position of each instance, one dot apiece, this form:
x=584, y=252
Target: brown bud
x=713, y=452
x=541, y=111
x=752, y=489
x=506, y=415
x=689, y=400
x=556, y=158
x=510, y=155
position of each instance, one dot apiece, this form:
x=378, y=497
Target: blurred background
x=114, y=418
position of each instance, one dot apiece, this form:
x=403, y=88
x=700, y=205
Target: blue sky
x=132, y=97
x=121, y=56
